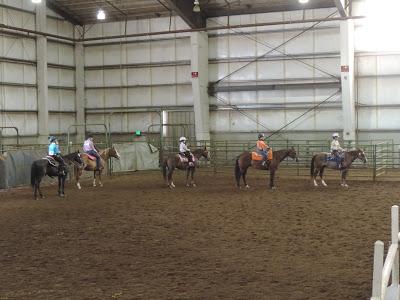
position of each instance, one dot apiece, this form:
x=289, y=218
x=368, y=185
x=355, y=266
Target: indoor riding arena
x=199, y=149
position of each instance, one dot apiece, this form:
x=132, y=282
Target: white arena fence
x=384, y=270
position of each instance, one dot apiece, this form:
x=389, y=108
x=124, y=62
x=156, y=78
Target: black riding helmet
x=261, y=135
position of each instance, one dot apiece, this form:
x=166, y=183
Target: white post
x=41, y=74
x=80, y=91
x=378, y=267
x=347, y=79
x=201, y=102
x=395, y=240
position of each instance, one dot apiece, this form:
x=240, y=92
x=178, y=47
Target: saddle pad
x=184, y=159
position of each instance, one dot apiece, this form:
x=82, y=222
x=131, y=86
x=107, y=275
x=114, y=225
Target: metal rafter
x=184, y=8
x=341, y=7
x=62, y=12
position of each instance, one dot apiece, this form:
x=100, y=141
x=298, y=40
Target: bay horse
x=43, y=167
x=173, y=161
x=90, y=164
x=320, y=161
x=244, y=161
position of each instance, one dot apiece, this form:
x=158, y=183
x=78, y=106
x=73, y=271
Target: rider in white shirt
x=336, y=150
x=185, y=151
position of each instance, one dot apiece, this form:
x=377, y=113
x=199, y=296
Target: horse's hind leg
x=314, y=176
x=78, y=173
x=170, y=182
x=39, y=189
x=100, y=183
x=244, y=179
x=94, y=178
x=321, y=174
x=192, y=175
x=187, y=176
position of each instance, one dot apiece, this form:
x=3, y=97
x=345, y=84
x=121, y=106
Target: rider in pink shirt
x=90, y=148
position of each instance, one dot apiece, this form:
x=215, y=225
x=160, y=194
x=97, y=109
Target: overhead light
x=36, y=1
x=303, y=1
x=196, y=7
x=101, y=15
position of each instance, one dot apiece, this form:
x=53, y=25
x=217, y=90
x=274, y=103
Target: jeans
x=95, y=154
x=263, y=153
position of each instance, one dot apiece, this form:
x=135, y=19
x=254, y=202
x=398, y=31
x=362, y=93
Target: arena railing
x=383, y=270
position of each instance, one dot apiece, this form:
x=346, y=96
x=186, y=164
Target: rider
x=90, y=148
x=262, y=147
x=185, y=151
x=54, y=152
x=336, y=150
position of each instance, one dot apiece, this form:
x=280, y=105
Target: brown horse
x=173, y=161
x=244, y=161
x=320, y=161
x=90, y=165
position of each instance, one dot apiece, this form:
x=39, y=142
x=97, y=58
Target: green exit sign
x=138, y=133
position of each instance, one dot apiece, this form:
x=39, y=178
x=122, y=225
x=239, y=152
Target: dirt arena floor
x=136, y=239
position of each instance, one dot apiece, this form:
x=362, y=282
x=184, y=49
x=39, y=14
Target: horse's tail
x=237, y=170
x=164, y=167
x=312, y=165
x=33, y=175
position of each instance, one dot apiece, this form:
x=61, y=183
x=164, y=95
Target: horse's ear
x=205, y=147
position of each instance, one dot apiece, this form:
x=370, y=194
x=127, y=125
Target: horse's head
x=114, y=153
x=361, y=155
x=77, y=158
x=292, y=154
x=205, y=153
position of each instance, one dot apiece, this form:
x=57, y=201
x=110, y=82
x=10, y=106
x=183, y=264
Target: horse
x=90, y=164
x=45, y=166
x=245, y=160
x=173, y=161
x=320, y=161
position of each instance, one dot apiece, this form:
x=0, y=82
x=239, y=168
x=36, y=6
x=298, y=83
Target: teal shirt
x=54, y=149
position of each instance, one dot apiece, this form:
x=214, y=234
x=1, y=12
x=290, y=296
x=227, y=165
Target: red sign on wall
x=195, y=74
x=344, y=68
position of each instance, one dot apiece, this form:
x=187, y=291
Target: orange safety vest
x=262, y=145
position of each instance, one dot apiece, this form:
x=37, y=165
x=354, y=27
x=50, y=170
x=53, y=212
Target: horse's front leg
x=94, y=178
x=35, y=189
x=244, y=173
x=321, y=176
x=343, y=179
x=100, y=183
x=61, y=180
x=77, y=173
x=39, y=189
x=187, y=176
x=271, y=178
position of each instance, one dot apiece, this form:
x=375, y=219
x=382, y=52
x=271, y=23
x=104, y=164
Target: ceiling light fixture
x=196, y=7
x=36, y=1
x=101, y=15
x=303, y=1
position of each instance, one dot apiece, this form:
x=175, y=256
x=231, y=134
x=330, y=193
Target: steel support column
x=80, y=90
x=347, y=79
x=201, y=102
x=41, y=71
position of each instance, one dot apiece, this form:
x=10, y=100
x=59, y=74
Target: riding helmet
x=182, y=139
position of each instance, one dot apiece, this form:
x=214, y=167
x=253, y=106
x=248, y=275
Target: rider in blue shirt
x=54, y=151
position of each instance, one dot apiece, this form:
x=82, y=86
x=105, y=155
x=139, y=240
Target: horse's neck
x=281, y=154
x=197, y=153
x=350, y=156
x=105, y=154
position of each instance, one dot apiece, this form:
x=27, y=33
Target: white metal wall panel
x=138, y=52
x=18, y=98
x=61, y=100
x=140, y=96
x=165, y=95
x=302, y=44
x=388, y=118
x=163, y=75
x=243, y=98
x=138, y=76
x=219, y=121
x=326, y=65
x=269, y=41
x=18, y=73
x=183, y=74
x=112, y=77
x=162, y=51
x=366, y=65
x=366, y=91
x=17, y=18
x=238, y=123
x=242, y=45
x=300, y=95
x=94, y=98
x=184, y=95
x=183, y=49
x=367, y=118
x=17, y=47
x=93, y=56
x=61, y=77
x=60, y=54
x=388, y=65
x=328, y=120
x=113, y=55
x=327, y=40
x=113, y=98
x=94, y=78
x=273, y=96
x=247, y=73
x=272, y=119
x=388, y=90
x=25, y=122
x=270, y=70
x=295, y=70
x=28, y=5
x=218, y=47
x=59, y=123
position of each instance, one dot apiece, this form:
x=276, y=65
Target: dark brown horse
x=244, y=161
x=90, y=165
x=320, y=161
x=173, y=161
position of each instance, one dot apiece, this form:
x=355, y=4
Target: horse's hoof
x=273, y=188
x=194, y=185
x=101, y=185
x=94, y=185
x=35, y=198
x=42, y=197
x=79, y=186
x=187, y=184
x=61, y=195
x=324, y=184
x=247, y=186
x=172, y=185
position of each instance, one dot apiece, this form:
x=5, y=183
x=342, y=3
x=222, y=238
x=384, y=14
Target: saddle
x=184, y=159
x=258, y=157
x=51, y=160
x=91, y=157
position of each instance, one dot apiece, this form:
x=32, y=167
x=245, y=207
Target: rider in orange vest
x=262, y=147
